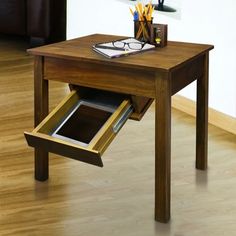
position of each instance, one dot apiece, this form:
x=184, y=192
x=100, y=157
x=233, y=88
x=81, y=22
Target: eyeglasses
x=131, y=45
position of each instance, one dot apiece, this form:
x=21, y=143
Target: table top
x=165, y=59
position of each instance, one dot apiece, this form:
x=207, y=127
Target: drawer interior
x=86, y=119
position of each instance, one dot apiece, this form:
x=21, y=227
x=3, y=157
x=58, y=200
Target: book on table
x=121, y=47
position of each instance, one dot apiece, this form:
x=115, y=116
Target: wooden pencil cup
x=142, y=30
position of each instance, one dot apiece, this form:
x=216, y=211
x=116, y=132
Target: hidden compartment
x=83, y=123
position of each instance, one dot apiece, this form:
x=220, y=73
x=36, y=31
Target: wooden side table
x=155, y=74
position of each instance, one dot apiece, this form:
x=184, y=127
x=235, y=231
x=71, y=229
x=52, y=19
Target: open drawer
x=81, y=128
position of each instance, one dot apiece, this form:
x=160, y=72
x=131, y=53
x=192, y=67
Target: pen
x=110, y=47
x=136, y=17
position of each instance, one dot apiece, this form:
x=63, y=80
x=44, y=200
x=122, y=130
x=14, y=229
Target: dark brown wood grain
x=162, y=147
x=202, y=117
x=155, y=74
x=112, y=78
x=174, y=55
x=40, y=112
x=188, y=73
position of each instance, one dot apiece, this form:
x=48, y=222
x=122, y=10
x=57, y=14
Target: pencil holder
x=142, y=30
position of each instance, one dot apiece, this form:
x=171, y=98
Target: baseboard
x=216, y=118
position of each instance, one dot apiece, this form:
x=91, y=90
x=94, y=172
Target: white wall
x=202, y=21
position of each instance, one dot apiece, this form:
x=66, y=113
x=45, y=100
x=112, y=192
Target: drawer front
x=81, y=129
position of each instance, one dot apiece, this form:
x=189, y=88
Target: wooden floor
x=117, y=200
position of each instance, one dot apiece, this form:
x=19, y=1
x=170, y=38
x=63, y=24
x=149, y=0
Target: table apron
x=187, y=73
x=117, y=79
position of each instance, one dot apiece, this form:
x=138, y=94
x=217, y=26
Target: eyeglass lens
x=134, y=46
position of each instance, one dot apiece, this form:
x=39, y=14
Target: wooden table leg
x=162, y=148
x=202, y=117
x=40, y=112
